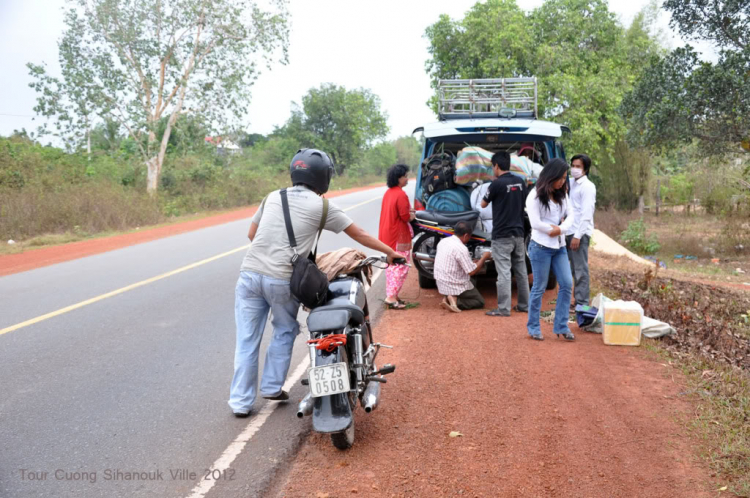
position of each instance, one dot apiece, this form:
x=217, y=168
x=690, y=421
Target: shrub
x=635, y=237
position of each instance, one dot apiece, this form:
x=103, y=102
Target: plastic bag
x=597, y=325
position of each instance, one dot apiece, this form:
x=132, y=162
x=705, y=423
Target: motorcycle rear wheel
x=344, y=440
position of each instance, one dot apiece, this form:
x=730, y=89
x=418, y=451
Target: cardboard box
x=622, y=323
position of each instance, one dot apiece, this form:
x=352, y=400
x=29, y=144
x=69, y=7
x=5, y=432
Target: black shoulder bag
x=309, y=285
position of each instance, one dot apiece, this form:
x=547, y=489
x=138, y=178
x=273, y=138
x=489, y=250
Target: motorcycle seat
x=449, y=218
x=334, y=315
x=482, y=235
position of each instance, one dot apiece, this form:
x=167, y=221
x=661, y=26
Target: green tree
x=408, y=151
x=106, y=136
x=681, y=98
x=342, y=122
x=140, y=62
x=585, y=61
x=492, y=39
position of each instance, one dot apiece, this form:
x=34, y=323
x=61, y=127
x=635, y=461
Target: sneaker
x=241, y=414
x=497, y=312
x=537, y=337
x=282, y=396
x=516, y=308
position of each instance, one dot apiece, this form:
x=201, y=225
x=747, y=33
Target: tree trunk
x=641, y=204
x=658, y=196
x=152, y=180
x=155, y=163
x=88, y=144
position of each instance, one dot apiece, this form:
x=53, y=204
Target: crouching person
x=454, y=269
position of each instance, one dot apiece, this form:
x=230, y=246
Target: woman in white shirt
x=548, y=207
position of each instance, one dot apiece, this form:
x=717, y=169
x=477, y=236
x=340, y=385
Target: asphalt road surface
x=125, y=396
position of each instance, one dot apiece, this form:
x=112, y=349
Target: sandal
x=395, y=305
x=448, y=306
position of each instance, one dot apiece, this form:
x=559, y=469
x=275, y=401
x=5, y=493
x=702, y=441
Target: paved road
x=137, y=383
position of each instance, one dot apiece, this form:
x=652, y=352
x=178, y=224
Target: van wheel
x=426, y=282
x=425, y=244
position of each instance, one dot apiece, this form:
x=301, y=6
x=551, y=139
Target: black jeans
x=470, y=300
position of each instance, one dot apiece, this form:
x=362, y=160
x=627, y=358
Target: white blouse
x=542, y=219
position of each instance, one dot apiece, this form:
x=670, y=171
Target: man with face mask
x=583, y=201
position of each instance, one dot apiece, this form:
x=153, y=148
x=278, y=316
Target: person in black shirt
x=507, y=194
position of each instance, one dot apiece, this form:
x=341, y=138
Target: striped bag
x=474, y=164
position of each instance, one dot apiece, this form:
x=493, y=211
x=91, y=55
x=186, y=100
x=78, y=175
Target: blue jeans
x=254, y=296
x=542, y=259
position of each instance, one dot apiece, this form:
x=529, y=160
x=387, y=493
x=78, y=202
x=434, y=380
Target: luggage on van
x=438, y=173
x=473, y=164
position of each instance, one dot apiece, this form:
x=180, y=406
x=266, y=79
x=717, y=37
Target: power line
x=17, y=115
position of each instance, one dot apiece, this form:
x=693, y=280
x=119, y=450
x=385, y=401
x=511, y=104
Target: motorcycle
x=430, y=227
x=342, y=355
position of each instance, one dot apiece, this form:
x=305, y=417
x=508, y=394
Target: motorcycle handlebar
x=382, y=259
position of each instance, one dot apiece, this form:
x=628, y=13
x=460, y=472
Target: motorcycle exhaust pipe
x=371, y=396
x=305, y=406
x=423, y=257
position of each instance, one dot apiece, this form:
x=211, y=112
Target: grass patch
x=345, y=181
x=702, y=235
x=46, y=191
x=35, y=218
x=721, y=417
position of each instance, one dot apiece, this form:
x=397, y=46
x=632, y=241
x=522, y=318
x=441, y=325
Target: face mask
x=576, y=173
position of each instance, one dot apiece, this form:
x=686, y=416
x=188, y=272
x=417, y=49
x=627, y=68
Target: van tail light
x=418, y=206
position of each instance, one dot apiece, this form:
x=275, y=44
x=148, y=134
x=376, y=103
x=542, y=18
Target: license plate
x=329, y=379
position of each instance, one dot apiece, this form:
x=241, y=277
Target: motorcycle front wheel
x=344, y=440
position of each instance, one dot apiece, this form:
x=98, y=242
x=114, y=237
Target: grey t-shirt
x=270, y=253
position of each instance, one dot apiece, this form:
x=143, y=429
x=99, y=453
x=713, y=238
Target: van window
x=560, y=149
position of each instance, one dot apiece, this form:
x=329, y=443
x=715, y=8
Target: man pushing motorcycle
x=266, y=270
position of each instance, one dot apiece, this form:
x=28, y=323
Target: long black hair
x=395, y=172
x=553, y=171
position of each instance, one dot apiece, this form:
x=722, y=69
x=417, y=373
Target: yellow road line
x=139, y=284
x=118, y=291
x=362, y=203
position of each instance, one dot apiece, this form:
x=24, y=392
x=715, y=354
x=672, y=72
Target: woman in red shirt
x=395, y=231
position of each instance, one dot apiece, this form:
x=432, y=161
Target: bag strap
x=321, y=226
x=288, y=220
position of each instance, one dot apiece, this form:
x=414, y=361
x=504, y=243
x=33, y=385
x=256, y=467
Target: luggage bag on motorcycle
x=438, y=173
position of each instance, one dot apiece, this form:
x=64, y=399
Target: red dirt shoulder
x=547, y=418
x=36, y=258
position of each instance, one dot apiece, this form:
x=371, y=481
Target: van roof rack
x=487, y=98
